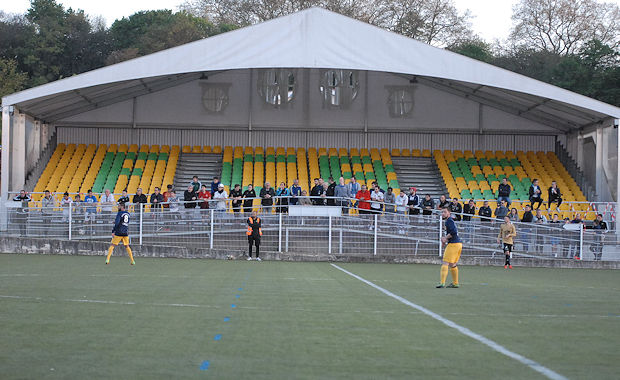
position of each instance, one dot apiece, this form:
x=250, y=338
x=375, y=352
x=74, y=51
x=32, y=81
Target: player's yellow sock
x=129, y=253
x=443, y=274
x=455, y=275
x=110, y=250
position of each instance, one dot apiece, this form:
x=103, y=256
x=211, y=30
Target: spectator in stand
x=375, y=185
x=324, y=196
x=528, y=217
x=190, y=197
x=236, y=196
x=555, y=195
x=169, y=189
x=77, y=207
x=48, y=203
x=402, y=204
x=173, y=205
x=363, y=196
x=107, y=203
x=469, y=209
x=428, y=204
x=295, y=192
x=503, y=192
x=91, y=210
x=353, y=188
x=456, y=209
x=220, y=197
x=390, y=199
x=514, y=215
x=248, y=200
x=304, y=200
x=485, y=212
x=282, y=198
x=568, y=240
x=157, y=199
x=124, y=197
x=65, y=204
x=535, y=194
x=413, y=202
x=577, y=220
x=316, y=192
x=600, y=228
x=539, y=218
x=203, y=197
x=330, y=191
x=22, y=213
x=501, y=211
x=342, y=194
x=443, y=203
x=267, y=194
x=214, y=186
x=196, y=184
x=377, y=200
x=139, y=197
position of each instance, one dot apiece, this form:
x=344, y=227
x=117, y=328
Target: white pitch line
x=463, y=330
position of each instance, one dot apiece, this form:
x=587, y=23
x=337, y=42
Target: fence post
x=286, y=241
x=280, y=233
x=141, y=221
x=581, y=243
x=375, y=243
x=211, y=234
x=440, y=233
x=329, y=236
x=340, y=244
x=70, y=219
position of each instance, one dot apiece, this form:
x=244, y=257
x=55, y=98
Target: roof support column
x=6, y=152
x=250, y=107
x=600, y=179
x=18, y=151
x=366, y=110
x=616, y=125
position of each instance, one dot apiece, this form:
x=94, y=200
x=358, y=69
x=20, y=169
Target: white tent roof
x=315, y=38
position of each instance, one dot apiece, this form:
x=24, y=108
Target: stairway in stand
x=421, y=173
x=204, y=165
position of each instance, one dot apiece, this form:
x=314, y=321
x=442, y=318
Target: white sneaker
x=249, y=259
x=258, y=259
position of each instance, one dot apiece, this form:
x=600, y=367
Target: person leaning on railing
x=330, y=191
x=363, y=196
x=295, y=192
x=456, y=209
x=22, y=214
x=203, y=196
x=267, y=193
x=190, y=197
x=248, y=200
x=485, y=212
x=469, y=209
x=413, y=202
x=342, y=194
x=304, y=200
x=428, y=204
x=236, y=195
x=139, y=197
x=282, y=198
x=600, y=228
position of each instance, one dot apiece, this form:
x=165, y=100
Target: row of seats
x=478, y=174
x=202, y=149
x=284, y=165
x=411, y=153
x=80, y=168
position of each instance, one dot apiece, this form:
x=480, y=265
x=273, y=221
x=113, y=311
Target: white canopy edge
x=314, y=38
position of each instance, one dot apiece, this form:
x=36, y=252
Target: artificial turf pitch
x=76, y=318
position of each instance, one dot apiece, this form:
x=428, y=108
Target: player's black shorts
x=507, y=247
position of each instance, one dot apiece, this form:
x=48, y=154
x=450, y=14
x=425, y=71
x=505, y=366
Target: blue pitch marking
x=233, y=305
x=205, y=365
x=217, y=337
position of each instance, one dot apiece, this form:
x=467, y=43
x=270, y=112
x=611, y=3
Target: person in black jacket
x=485, y=212
x=555, y=195
x=503, y=192
x=124, y=197
x=456, y=209
x=535, y=194
x=331, y=190
x=190, y=197
x=443, y=202
x=139, y=197
x=600, y=227
x=267, y=193
x=428, y=204
x=156, y=199
x=22, y=214
x=526, y=232
x=469, y=209
x=316, y=193
x=247, y=199
x=236, y=196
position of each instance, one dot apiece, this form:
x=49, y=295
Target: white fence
x=350, y=233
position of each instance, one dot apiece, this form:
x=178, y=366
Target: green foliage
x=474, y=48
x=11, y=79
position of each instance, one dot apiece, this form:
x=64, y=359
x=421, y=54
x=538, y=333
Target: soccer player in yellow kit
x=452, y=253
x=120, y=233
x=507, y=232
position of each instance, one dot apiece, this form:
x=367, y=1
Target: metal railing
x=354, y=232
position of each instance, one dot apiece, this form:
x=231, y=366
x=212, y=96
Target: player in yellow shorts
x=451, y=254
x=120, y=233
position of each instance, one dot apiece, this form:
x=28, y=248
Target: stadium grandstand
x=336, y=97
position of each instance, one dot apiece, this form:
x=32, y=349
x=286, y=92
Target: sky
x=491, y=17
